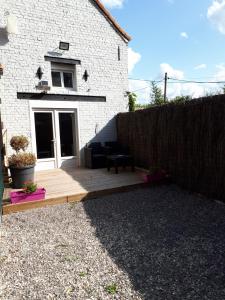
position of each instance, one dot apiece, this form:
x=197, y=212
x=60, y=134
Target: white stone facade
x=93, y=41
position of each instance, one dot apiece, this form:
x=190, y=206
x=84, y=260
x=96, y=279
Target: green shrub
x=29, y=187
x=132, y=101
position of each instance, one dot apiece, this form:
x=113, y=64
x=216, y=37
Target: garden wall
x=187, y=140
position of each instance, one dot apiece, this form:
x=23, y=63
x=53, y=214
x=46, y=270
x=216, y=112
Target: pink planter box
x=155, y=178
x=20, y=197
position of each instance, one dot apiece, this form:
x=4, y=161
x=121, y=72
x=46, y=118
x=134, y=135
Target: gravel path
x=158, y=243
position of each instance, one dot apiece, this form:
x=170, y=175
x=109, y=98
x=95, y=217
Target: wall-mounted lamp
x=64, y=46
x=11, y=26
x=86, y=75
x=39, y=73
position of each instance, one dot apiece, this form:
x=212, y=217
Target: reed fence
x=187, y=140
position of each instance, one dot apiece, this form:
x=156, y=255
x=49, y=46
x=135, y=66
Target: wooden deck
x=72, y=185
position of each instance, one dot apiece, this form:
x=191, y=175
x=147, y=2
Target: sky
x=185, y=38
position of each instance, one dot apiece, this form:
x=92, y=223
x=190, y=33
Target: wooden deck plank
x=64, y=186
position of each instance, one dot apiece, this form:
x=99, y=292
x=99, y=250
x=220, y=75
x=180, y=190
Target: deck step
x=13, y=208
x=70, y=185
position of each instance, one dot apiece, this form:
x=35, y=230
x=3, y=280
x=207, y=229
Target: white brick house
x=77, y=109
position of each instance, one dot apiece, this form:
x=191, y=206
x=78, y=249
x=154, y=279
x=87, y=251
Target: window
x=62, y=79
x=56, y=79
x=63, y=76
x=68, y=79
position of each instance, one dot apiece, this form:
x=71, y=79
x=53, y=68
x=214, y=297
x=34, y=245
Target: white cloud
x=216, y=15
x=113, y=3
x=133, y=59
x=184, y=35
x=143, y=88
x=201, y=66
x=173, y=73
x=220, y=74
x=181, y=89
x=196, y=90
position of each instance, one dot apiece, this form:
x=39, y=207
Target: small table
x=120, y=160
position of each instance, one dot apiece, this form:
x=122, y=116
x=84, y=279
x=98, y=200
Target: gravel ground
x=158, y=243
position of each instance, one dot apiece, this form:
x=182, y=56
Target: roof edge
x=113, y=21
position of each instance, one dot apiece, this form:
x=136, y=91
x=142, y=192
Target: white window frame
x=62, y=68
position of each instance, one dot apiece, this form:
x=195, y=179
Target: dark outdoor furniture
x=120, y=160
x=95, y=157
x=112, y=148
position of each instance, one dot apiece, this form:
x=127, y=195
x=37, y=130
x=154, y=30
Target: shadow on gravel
x=169, y=242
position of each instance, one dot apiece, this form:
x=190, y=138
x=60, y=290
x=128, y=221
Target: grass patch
x=3, y=259
x=83, y=274
x=111, y=289
x=69, y=290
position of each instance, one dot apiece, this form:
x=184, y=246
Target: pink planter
x=20, y=197
x=157, y=177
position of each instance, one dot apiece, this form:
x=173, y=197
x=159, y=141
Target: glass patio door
x=45, y=137
x=55, y=138
x=66, y=138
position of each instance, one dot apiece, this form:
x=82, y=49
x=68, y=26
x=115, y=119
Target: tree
x=223, y=89
x=181, y=99
x=132, y=101
x=157, y=97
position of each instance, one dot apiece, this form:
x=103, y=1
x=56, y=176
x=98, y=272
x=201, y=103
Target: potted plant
x=22, y=163
x=30, y=192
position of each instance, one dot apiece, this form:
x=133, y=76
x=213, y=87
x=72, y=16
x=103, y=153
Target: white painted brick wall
x=42, y=24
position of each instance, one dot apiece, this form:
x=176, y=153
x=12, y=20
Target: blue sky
x=185, y=38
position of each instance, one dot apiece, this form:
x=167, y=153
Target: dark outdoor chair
x=113, y=148
x=95, y=157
